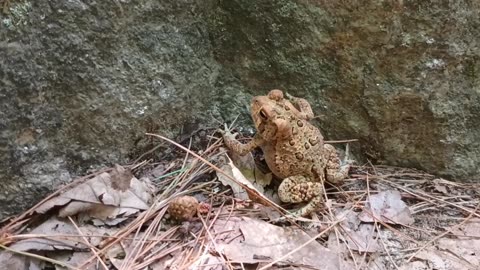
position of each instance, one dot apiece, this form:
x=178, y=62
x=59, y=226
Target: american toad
x=293, y=149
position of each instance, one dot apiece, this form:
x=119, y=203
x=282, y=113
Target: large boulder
x=82, y=81
x=403, y=77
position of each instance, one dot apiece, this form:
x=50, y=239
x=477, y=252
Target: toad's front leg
x=240, y=148
x=297, y=189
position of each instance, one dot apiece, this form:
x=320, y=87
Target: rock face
x=82, y=81
x=401, y=76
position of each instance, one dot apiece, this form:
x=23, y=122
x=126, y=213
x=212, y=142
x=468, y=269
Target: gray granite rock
x=82, y=81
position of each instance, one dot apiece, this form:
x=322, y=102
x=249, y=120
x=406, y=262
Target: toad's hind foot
x=314, y=205
x=297, y=189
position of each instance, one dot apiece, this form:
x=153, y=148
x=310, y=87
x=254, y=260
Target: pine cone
x=183, y=208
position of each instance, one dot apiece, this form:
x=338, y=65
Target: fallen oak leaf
x=242, y=186
x=105, y=196
x=388, y=207
x=247, y=166
x=358, y=236
x=470, y=228
x=238, y=191
x=254, y=241
x=50, y=237
x=56, y=230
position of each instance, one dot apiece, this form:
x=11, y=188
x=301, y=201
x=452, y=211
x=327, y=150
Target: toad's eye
x=263, y=115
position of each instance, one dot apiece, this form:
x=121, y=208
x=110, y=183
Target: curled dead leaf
x=255, y=241
x=104, y=197
x=388, y=207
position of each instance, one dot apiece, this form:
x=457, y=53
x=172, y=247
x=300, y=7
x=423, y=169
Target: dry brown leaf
x=265, y=242
x=360, y=237
x=117, y=262
x=51, y=227
x=416, y=265
x=340, y=248
x=440, y=260
x=439, y=186
x=468, y=249
x=242, y=188
x=116, y=251
x=387, y=206
x=104, y=197
x=9, y=260
x=55, y=234
x=363, y=239
x=234, y=172
x=238, y=191
x=246, y=165
x=53, y=237
x=170, y=261
x=207, y=262
x=74, y=259
x=470, y=229
x=127, y=248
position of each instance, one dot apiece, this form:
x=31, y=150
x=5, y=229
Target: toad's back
x=299, y=154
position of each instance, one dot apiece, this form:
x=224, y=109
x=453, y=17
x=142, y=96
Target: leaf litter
x=382, y=217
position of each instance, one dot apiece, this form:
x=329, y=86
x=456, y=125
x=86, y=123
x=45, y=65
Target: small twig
x=444, y=233
x=87, y=243
x=432, y=197
x=39, y=257
x=147, y=153
x=385, y=246
x=233, y=122
x=341, y=141
x=267, y=201
x=186, y=153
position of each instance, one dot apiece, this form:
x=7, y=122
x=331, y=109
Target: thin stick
x=39, y=257
x=444, y=233
x=267, y=201
x=342, y=141
x=385, y=246
x=87, y=243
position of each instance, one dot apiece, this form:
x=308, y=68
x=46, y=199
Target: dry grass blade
x=424, y=196
x=268, y=202
x=443, y=234
x=87, y=243
x=155, y=212
x=39, y=257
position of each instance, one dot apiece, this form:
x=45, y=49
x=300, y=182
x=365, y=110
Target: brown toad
x=293, y=149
